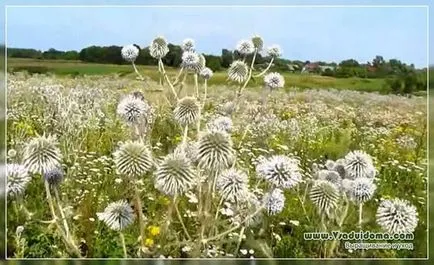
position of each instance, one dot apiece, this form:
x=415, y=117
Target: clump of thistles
x=187, y=111
x=397, y=216
x=281, y=171
x=233, y=185
x=17, y=179
x=238, y=71
x=274, y=80
x=174, y=175
x=129, y=53
x=117, y=215
x=41, y=154
x=133, y=159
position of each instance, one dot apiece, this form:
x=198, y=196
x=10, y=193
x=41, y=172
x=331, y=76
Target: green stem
x=140, y=216
x=184, y=137
x=196, y=85
x=124, y=247
x=266, y=69
x=250, y=74
x=178, y=76
x=62, y=214
x=240, y=239
x=205, y=86
x=163, y=71
x=180, y=219
x=137, y=72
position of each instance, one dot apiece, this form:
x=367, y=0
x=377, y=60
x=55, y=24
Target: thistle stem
x=266, y=69
x=184, y=137
x=240, y=239
x=360, y=216
x=124, y=247
x=137, y=72
x=163, y=71
x=250, y=73
x=205, y=87
x=62, y=214
x=140, y=216
x=196, y=86
x=175, y=204
x=178, y=76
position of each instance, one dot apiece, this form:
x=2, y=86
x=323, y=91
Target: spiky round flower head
x=325, y=196
x=331, y=176
x=279, y=170
x=54, y=176
x=158, y=48
x=238, y=71
x=358, y=164
x=362, y=189
x=274, y=201
x=245, y=47
x=117, y=215
x=330, y=164
x=188, y=45
x=227, y=108
x=274, y=51
x=233, y=185
x=215, y=150
x=129, y=53
x=174, y=175
x=133, y=159
x=187, y=111
x=200, y=65
x=397, y=216
x=190, y=60
x=206, y=73
x=339, y=167
x=41, y=154
x=274, y=80
x=133, y=109
x=188, y=149
x=221, y=123
x=17, y=179
x=258, y=42
x=347, y=186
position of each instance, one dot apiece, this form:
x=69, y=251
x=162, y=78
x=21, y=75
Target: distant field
x=62, y=67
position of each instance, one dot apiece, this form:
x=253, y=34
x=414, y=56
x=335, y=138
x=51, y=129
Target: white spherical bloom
x=325, y=196
x=174, y=175
x=238, y=71
x=215, y=150
x=159, y=48
x=274, y=201
x=347, y=186
x=206, y=73
x=397, y=216
x=331, y=176
x=330, y=164
x=187, y=111
x=279, y=170
x=133, y=109
x=117, y=215
x=222, y=123
x=190, y=60
x=17, y=179
x=258, y=42
x=359, y=164
x=233, y=185
x=274, y=51
x=129, y=53
x=274, y=80
x=41, y=154
x=362, y=190
x=133, y=159
x=227, y=108
x=188, y=45
x=189, y=149
x=245, y=47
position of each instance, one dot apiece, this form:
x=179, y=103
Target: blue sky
x=304, y=33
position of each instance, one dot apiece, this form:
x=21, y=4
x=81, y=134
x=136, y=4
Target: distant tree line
x=400, y=77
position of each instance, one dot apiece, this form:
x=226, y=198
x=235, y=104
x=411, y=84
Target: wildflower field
x=118, y=167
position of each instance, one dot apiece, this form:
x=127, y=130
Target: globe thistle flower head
x=174, y=175
x=397, y=216
x=281, y=171
x=54, y=176
x=347, y=186
x=258, y=42
x=274, y=201
x=188, y=149
x=206, y=73
x=215, y=150
x=274, y=80
x=133, y=109
x=133, y=159
x=324, y=195
x=359, y=164
x=238, y=71
x=17, y=179
x=227, y=108
x=187, y=111
x=117, y=215
x=188, y=45
x=129, y=53
x=339, y=167
x=330, y=164
x=362, y=189
x=245, y=47
x=221, y=123
x=158, y=48
x=233, y=185
x=41, y=154
x=331, y=176
x=190, y=60
x=200, y=65
x=274, y=51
